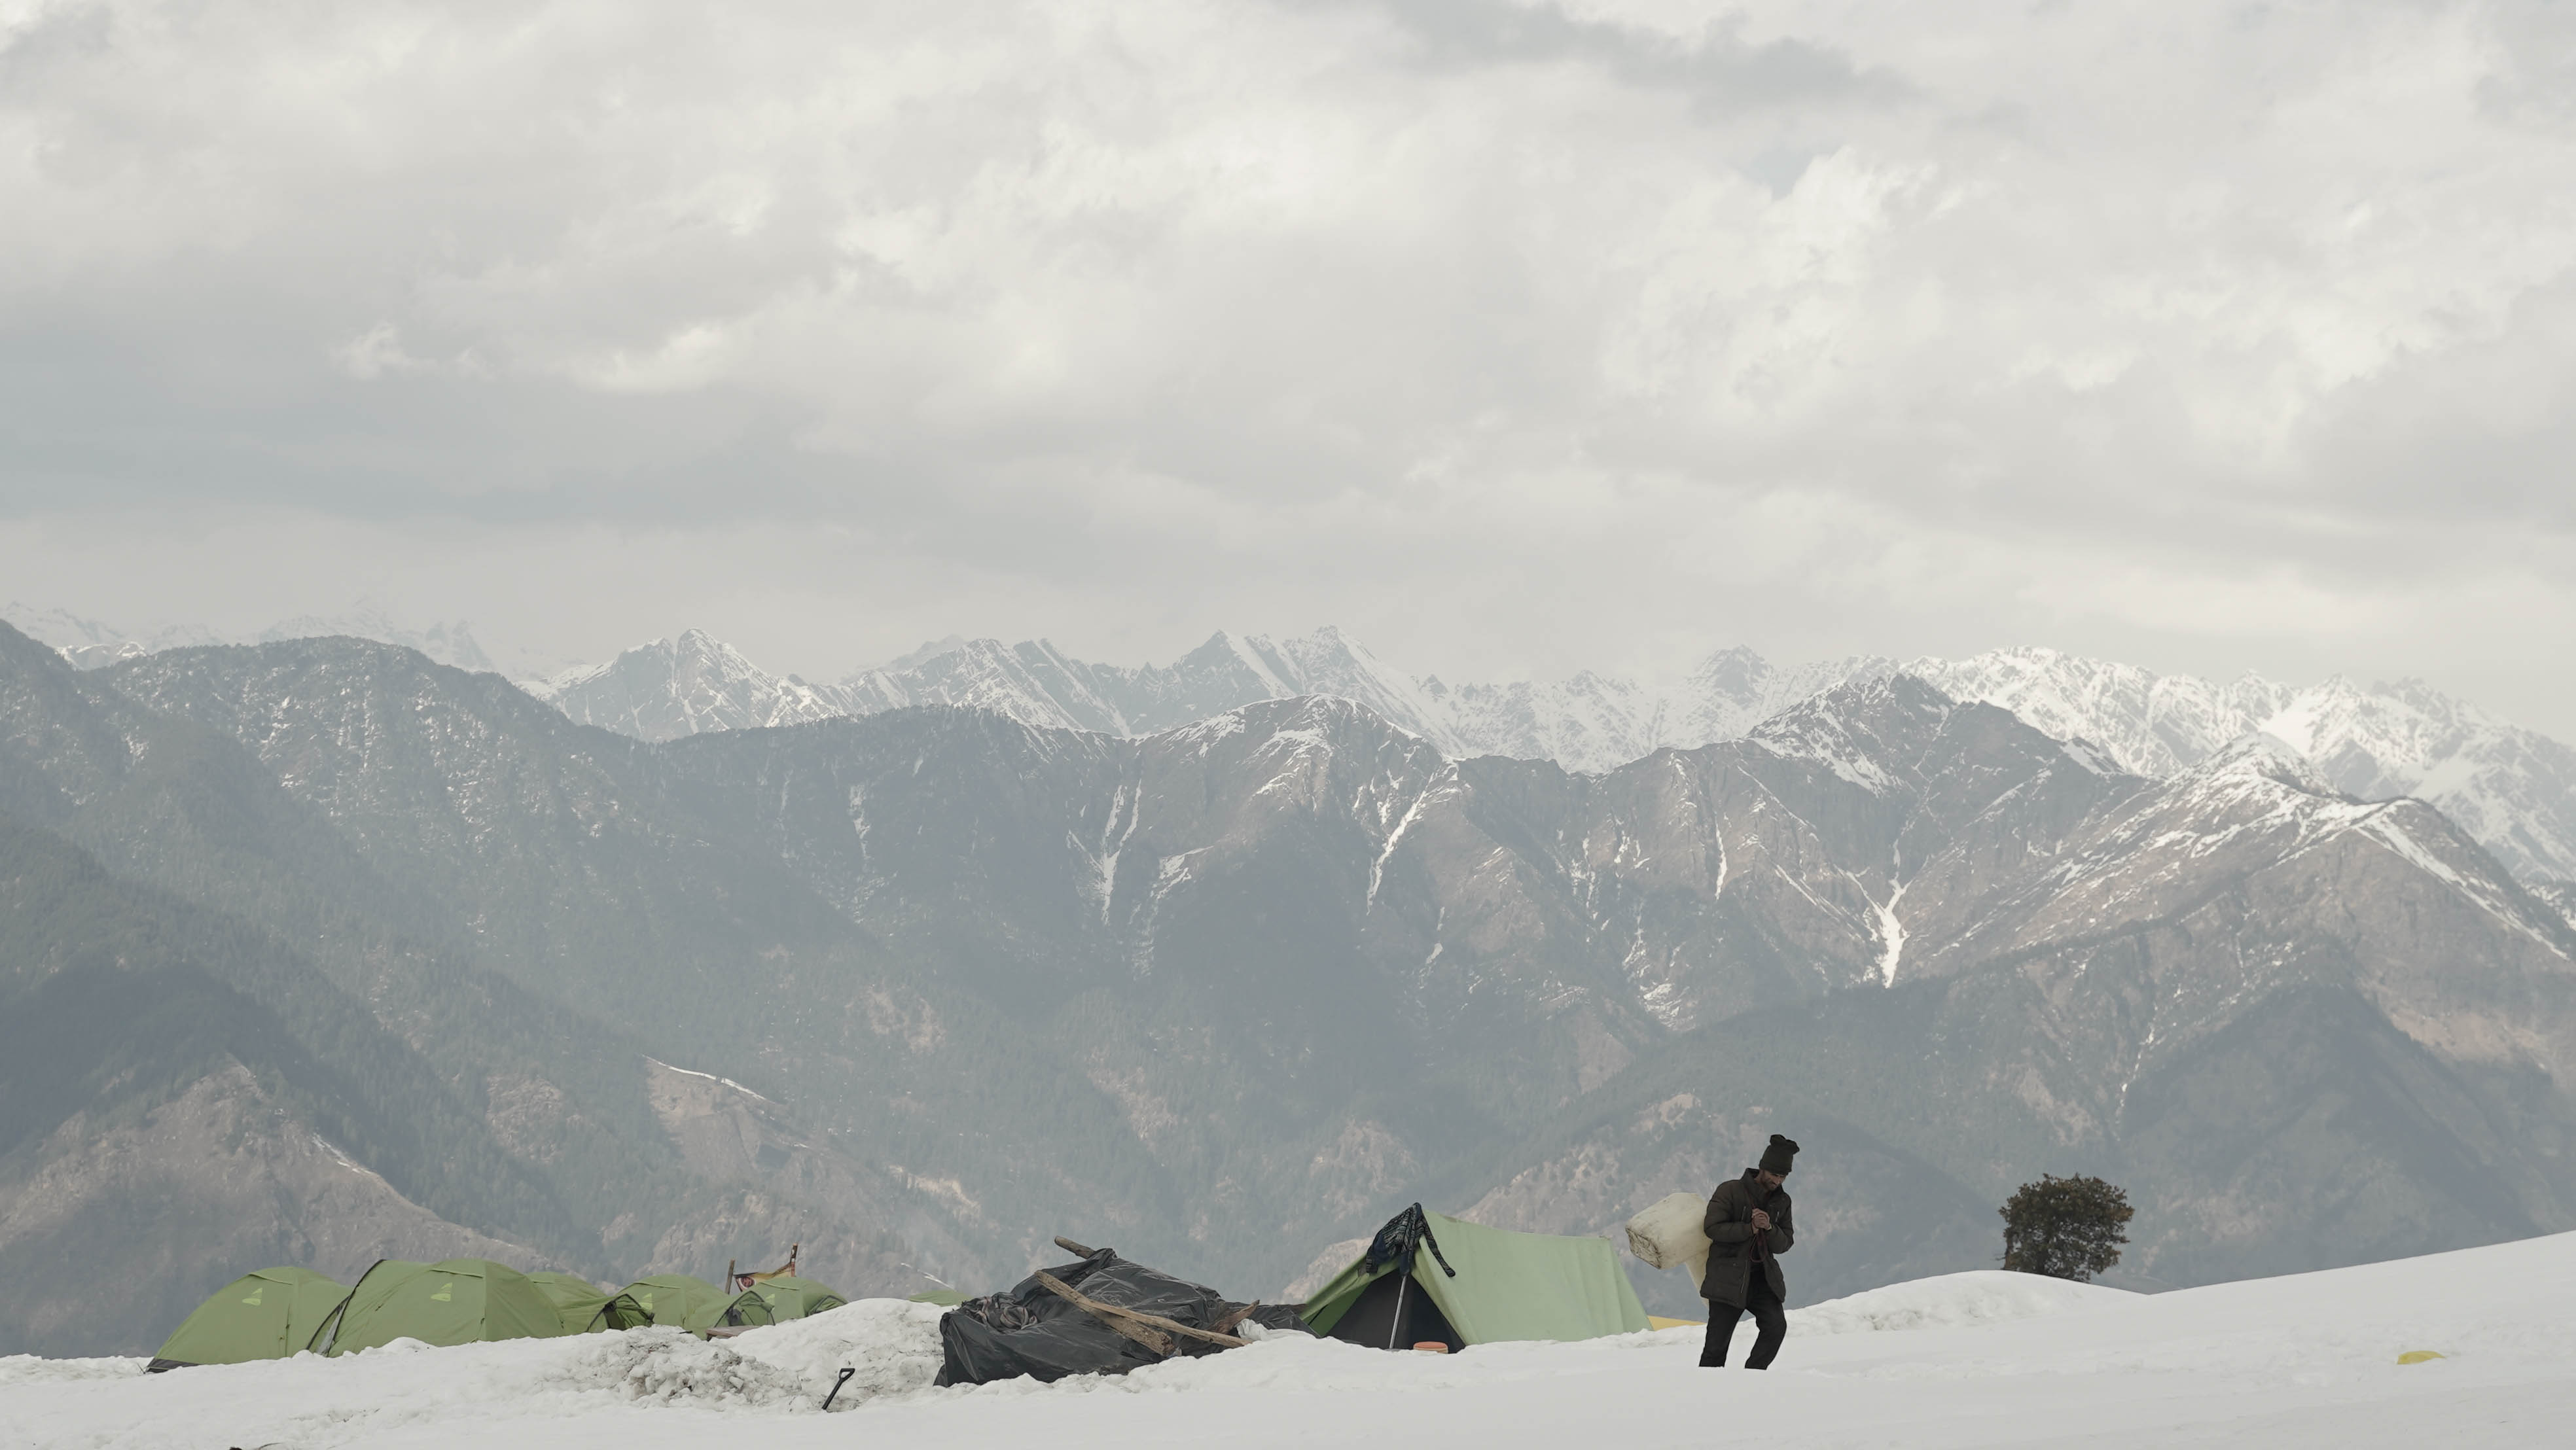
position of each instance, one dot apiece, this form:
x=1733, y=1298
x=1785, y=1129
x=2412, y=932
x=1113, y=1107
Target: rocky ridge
x=92, y=644
x=1227, y=991
x=186, y=944
x=2515, y=790
x=2257, y=1001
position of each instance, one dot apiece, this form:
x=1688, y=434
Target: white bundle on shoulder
x=1668, y=1234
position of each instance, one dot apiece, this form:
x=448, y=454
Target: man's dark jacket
x=1729, y=1226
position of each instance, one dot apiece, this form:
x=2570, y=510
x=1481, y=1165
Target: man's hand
x=1761, y=1220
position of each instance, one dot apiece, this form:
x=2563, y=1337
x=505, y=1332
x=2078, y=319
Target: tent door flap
x=1391, y=1314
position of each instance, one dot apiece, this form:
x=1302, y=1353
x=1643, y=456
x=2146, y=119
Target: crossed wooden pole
x=1150, y=1330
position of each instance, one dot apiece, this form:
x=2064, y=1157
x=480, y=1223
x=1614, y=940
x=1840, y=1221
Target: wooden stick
x=1121, y=1321
x=1070, y=1247
x=1107, y=1312
x=1232, y=1317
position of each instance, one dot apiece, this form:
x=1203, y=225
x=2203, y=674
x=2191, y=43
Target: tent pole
x=1395, y=1326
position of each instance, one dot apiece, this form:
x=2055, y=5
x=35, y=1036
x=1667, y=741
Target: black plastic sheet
x=1031, y=1330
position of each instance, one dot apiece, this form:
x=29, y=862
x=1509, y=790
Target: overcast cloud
x=1514, y=340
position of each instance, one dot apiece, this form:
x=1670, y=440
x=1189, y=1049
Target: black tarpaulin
x=1030, y=1330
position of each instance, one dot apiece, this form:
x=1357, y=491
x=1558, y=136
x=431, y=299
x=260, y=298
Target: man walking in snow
x=1748, y=1229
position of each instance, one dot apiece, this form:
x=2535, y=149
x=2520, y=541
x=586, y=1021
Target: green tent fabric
x=685, y=1301
x=945, y=1298
x=1508, y=1286
x=790, y=1297
x=454, y=1301
x=621, y=1312
x=267, y=1315
x=584, y=1308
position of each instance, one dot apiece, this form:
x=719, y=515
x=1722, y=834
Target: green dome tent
x=267, y=1315
x=790, y=1297
x=685, y=1301
x=1475, y=1285
x=584, y=1308
x=454, y=1301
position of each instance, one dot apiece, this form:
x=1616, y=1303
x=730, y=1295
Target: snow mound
x=1953, y=1301
x=1976, y=1360
x=410, y=1389
x=892, y=1343
x=670, y=1366
x=892, y=1347
x=1253, y=1331
x=28, y=1369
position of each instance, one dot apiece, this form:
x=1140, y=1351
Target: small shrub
x=2066, y=1228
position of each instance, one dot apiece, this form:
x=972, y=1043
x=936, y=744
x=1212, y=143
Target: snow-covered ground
x=1968, y=1359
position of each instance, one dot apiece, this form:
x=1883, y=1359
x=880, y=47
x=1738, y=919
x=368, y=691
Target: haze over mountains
x=2513, y=789
x=92, y=644
x=319, y=948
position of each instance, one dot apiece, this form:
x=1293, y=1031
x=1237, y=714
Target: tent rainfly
x=790, y=1297
x=685, y=1301
x=584, y=1308
x=267, y=1315
x=787, y=1296
x=454, y=1301
x=1427, y=1276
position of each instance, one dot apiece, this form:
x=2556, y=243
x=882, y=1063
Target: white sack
x=1667, y=1235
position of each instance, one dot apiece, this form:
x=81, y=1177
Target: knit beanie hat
x=1775, y=1159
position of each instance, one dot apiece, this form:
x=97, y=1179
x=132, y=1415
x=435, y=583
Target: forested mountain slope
x=292, y=982
x=926, y=987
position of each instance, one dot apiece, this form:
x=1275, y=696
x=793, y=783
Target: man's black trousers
x=1771, y=1326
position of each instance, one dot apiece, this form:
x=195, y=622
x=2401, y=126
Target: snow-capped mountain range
x=2512, y=789
x=695, y=683
x=1239, y=987
x=92, y=644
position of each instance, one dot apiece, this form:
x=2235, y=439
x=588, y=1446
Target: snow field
x=464, y=1391
x=1967, y=1359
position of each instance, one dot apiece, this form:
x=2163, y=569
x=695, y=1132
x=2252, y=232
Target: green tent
x=1506, y=1286
x=685, y=1301
x=945, y=1298
x=790, y=1297
x=454, y=1301
x=267, y=1315
x=584, y=1308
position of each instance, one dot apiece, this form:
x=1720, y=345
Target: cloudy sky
x=1514, y=339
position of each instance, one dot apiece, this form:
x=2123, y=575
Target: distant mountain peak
x=1735, y=672
x=93, y=644
x=684, y=684
x=1287, y=943
x=449, y=644
x=2259, y=753
x=2512, y=789
x=923, y=655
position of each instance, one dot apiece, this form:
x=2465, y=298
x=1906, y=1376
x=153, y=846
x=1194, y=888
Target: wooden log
x=1122, y=1321
x=1110, y=1312
x=1070, y=1247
